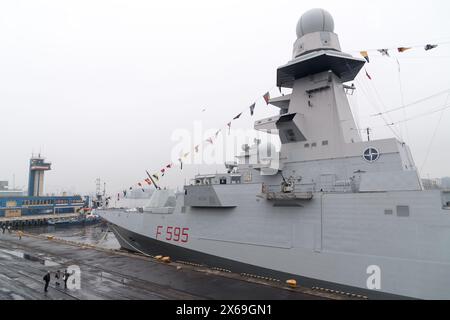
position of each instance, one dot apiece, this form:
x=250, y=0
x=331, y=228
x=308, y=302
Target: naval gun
x=287, y=192
x=287, y=186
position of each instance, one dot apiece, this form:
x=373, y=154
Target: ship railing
x=311, y=187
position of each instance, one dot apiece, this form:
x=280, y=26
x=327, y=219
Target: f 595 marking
x=172, y=233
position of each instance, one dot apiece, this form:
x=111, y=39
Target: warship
x=329, y=209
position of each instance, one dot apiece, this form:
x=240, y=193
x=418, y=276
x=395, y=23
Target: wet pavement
x=96, y=234
x=113, y=274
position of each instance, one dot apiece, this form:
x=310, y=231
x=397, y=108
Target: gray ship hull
x=137, y=243
x=329, y=241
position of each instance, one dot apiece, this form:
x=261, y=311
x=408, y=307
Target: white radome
x=315, y=20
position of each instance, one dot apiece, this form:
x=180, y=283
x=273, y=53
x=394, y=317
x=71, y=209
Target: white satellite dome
x=315, y=20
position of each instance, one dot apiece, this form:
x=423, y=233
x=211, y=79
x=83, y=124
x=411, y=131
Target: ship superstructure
x=329, y=209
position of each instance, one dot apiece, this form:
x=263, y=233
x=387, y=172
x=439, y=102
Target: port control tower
x=36, y=178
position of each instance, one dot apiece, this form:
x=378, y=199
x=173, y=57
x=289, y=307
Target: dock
x=34, y=219
x=108, y=274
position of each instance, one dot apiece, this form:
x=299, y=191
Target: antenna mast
x=368, y=130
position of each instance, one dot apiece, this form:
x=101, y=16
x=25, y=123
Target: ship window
x=313, y=145
x=388, y=212
x=403, y=211
x=291, y=134
x=306, y=145
x=236, y=180
x=325, y=143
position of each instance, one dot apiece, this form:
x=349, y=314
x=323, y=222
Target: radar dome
x=315, y=20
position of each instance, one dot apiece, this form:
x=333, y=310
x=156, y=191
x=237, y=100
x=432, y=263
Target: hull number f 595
x=172, y=233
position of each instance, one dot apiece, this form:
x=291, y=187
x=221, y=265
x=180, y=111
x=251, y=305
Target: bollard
x=292, y=283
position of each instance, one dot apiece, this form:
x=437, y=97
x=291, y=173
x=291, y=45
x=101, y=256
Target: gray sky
x=99, y=86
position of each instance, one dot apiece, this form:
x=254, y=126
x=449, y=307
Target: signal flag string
x=385, y=52
x=364, y=53
x=152, y=179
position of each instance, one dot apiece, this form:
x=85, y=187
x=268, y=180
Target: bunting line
x=161, y=173
x=402, y=48
x=385, y=52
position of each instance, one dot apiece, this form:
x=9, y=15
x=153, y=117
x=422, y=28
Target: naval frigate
x=331, y=211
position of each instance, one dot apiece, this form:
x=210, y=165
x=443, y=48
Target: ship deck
x=115, y=274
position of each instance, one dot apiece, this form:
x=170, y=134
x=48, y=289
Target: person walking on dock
x=65, y=278
x=9, y=229
x=3, y=228
x=47, y=281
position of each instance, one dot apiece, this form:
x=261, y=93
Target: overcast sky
x=98, y=87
